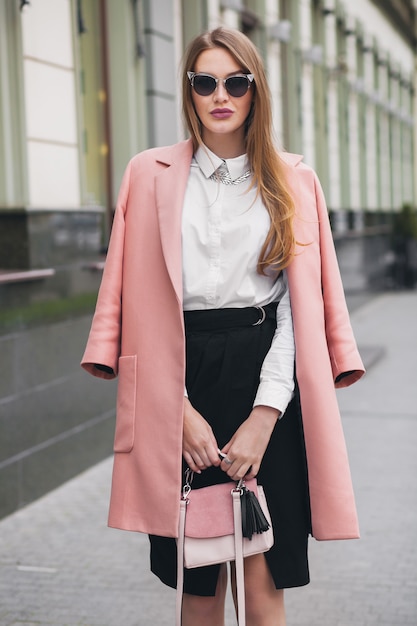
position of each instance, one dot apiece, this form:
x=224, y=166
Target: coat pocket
x=126, y=403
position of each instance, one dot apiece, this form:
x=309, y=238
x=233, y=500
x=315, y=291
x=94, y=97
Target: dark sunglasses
x=204, y=84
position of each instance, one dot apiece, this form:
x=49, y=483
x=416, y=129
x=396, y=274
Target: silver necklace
x=223, y=176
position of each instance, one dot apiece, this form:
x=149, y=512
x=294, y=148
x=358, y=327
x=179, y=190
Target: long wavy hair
x=268, y=169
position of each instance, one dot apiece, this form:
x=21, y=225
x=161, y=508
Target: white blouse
x=223, y=230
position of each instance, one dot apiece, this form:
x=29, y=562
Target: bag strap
x=240, y=575
x=180, y=561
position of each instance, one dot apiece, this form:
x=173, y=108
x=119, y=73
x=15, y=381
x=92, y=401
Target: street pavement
x=60, y=565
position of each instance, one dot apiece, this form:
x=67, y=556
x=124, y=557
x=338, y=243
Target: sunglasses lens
x=204, y=85
x=237, y=86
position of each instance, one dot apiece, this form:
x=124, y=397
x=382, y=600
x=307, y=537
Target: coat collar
x=291, y=159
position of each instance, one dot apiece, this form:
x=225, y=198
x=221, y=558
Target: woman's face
x=222, y=116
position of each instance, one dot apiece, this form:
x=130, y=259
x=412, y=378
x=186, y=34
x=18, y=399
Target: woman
x=211, y=238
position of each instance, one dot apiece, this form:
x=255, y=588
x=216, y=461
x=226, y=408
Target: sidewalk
x=61, y=566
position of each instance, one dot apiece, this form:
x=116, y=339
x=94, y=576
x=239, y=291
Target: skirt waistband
x=217, y=319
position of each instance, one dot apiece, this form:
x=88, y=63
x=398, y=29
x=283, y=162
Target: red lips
x=221, y=113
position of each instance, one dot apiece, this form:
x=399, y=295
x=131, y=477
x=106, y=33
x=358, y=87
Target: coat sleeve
x=102, y=352
x=347, y=366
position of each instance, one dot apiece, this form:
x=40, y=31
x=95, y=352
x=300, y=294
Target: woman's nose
x=220, y=93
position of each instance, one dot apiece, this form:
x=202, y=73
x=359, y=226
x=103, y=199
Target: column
x=370, y=136
x=13, y=162
x=407, y=137
x=384, y=134
x=161, y=72
x=355, y=88
x=273, y=65
x=309, y=56
x=333, y=146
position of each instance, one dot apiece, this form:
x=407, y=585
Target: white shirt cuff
x=269, y=395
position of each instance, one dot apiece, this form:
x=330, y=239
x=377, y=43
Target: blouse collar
x=209, y=162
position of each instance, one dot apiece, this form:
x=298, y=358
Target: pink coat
x=138, y=331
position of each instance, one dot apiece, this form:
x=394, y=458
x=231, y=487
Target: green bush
x=405, y=223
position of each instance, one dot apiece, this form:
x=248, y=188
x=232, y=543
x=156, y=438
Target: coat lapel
x=170, y=187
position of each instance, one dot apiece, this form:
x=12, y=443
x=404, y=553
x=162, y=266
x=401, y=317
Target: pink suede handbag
x=221, y=523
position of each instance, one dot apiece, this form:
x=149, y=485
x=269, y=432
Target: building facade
x=84, y=85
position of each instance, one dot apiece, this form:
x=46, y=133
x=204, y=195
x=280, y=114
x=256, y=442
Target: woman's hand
x=247, y=447
x=199, y=445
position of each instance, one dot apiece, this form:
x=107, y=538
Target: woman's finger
x=191, y=463
x=237, y=472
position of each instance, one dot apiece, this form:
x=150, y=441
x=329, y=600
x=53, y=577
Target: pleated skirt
x=225, y=349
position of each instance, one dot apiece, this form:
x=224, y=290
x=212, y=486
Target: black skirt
x=224, y=356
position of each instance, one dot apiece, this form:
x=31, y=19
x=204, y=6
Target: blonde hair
x=268, y=169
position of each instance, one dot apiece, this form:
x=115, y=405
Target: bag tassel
x=253, y=518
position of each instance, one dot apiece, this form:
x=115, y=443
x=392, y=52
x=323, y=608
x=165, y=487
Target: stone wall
x=55, y=420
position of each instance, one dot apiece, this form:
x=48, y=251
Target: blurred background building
x=84, y=85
